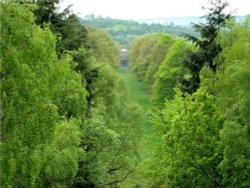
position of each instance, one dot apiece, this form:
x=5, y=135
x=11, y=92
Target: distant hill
x=180, y=21
x=124, y=31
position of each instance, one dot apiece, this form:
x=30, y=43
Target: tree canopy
x=67, y=119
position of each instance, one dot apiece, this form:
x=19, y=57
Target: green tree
x=110, y=133
x=38, y=93
x=159, y=53
x=45, y=12
x=27, y=58
x=190, y=141
x=171, y=71
x=73, y=35
x=234, y=102
x=209, y=48
x=61, y=156
x=140, y=53
x=68, y=93
x=104, y=48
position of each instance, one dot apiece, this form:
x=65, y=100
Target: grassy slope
x=139, y=93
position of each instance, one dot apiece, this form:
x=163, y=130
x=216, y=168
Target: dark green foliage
x=208, y=46
x=72, y=34
x=65, y=25
x=45, y=12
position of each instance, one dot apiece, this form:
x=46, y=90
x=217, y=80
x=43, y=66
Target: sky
x=145, y=9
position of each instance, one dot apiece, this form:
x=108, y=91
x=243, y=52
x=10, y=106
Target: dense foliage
x=171, y=71
x=67, y=119
x=65, y=114
x=201, y=104
x=190, y=140
x=234, y=102
x=209, y=48
x=141, y=53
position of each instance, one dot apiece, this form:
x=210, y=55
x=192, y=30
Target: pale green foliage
x=234, y=100
x=35, y=88
x=190, y=132
x=159, y=53
x=67, y=122
x=28, y=54
x=170, y=72
x=68, y=91
x=208, y=80
x=101, y=142
x=140, y=53
x=104, y=48
x=62, y=155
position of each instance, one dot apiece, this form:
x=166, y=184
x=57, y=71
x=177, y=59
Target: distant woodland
x=124, y=31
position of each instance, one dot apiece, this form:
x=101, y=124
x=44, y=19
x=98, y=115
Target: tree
x=159, y=53
x=61, y=156
x=27, y=58
x=109, y=134
x=40, y=95
x=73, y=35
x=140, y=53
x=208, y=46
x=233, y=89
x=189, y=129
x=103, y=47
x=45, y=13
x=170, y=72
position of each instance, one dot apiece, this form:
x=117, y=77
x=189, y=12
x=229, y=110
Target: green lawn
x=138, y=91
x=140, y=94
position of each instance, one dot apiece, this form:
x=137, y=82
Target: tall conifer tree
x=208, y=46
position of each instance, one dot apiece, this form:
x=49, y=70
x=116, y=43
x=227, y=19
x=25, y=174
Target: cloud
x=138, y=9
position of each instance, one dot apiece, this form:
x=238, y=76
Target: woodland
x=177, y=117
x=125, y=31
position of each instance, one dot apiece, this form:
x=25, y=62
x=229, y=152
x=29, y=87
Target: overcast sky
x=143, y=9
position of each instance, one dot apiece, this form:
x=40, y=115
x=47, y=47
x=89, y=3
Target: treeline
x=65, y=116
x=201, y=103
x=125, y=31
